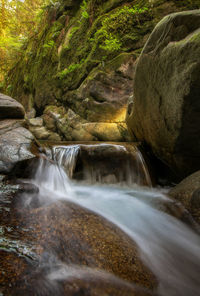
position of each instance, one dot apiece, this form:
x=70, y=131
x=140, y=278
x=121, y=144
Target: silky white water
x=167, y=246
x=108, y=171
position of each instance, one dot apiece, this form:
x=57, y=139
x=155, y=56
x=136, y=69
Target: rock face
x=10, y=108
x=188, y=193
x=82, y=61
x=164, y=113
x=15, y=140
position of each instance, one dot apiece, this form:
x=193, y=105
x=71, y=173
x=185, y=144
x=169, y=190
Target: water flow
x=52, y=180
x=103, y=163
x=66, y=156
x=167, y=246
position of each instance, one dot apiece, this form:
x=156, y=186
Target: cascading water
x=168, y=247
x=66, y=156
x=103, y=163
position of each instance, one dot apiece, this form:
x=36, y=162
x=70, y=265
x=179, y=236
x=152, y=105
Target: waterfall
x=103, y=163
x=66, y=156
x=169, y=248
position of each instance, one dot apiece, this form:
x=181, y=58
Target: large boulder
x=10, y=108
x=164, y=113
x=15, y=144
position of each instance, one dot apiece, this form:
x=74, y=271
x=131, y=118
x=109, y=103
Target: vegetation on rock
x=75, y=39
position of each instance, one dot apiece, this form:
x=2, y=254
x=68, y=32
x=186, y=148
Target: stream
x=76, y=175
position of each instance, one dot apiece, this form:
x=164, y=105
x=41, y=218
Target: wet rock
x=10, y=108
x=165, y=109
x=73, y=281
x=108, y=163
x=15, y=144
x=187, y=192
x=66, y=236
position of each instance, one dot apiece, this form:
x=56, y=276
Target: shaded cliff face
x=77, y=70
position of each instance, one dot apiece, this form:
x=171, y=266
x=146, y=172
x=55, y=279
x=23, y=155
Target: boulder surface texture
x=15, y=139
x=164, y=113
x=9, y=108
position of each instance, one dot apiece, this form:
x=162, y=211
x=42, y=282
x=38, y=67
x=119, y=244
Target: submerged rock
x=165, y=110
x=10, y=108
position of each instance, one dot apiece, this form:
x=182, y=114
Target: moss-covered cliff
x=77, y=71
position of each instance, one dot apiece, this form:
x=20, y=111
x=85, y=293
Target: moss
x=77, y=36
x=196, y=37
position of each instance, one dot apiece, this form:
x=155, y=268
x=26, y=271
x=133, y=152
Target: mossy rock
x=75, y=40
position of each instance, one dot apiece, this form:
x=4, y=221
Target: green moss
x=88, y=35
x=68, y=70
x=195, y=37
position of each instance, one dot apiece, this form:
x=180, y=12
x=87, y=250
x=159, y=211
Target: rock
x=103, y=96
x=10, y=108
x=31, y=113
x=104, y=131
x=15, y=144
x=2, y=177
x=79, y=133
x=92, y=60
x=109, y=164
x=51, y=116
x=38, y=121
x=164, y=113
x=41, y=133
x=54, y=137
x=64, y=237
x=188, y=193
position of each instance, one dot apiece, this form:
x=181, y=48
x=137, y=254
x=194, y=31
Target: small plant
x=111, y=44
x=84, y=13
x=66, y=71
x=49, y=44
x=73, y=30
x=46, y=47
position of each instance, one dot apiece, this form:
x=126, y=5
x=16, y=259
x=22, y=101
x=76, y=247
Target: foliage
x=109, y=35
x=70, y=38
x=18, y=22
x=84, y=7
x=70, y=69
